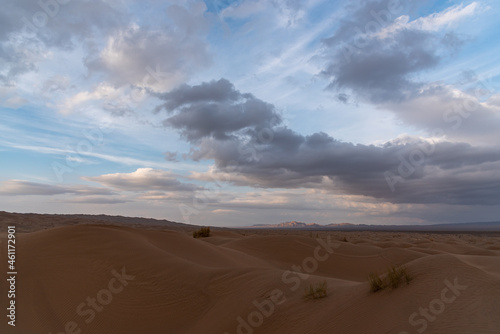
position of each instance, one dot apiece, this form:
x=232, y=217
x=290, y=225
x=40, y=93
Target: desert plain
x=102, y=275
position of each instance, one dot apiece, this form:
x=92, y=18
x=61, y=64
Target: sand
x=94, y=277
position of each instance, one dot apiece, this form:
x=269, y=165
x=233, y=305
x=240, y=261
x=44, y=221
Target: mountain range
x=493, y=226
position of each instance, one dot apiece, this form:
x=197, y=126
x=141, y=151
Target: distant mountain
x=301, y=225
x=294, y=224
x=458, y=227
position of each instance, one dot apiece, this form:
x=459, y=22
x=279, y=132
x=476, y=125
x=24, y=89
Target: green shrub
x=202, y=232
x=408, y=278
x=394, y=277
x=316, y=292
x=376, y=283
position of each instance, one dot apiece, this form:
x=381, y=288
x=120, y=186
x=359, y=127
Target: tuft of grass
x=407, y=276
x=203, y=232
x=345, y=239
x=376, y=283
x=394, y=278
x=316, y=292
x=398, y=275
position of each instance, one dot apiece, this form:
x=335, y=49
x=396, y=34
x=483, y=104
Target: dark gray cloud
x=382, y=70
x=377, y=54
x=215, y=109
x=420, y=172
x=221, y=91
x=406, y=170
x=378, y=66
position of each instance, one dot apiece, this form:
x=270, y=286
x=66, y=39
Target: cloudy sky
x=232, y=113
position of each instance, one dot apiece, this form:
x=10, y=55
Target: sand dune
x=116, y=279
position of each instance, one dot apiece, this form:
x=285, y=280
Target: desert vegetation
x=203, y=232
x=316, y=291
x=394, y=277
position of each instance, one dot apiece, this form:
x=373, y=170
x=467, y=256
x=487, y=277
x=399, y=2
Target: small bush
x=316, y=292
x=408, y=278
x=376, y=283
x=394, y=277
x=344, y=239
x=202, y=232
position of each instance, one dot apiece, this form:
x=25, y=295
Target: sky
x=234, y=113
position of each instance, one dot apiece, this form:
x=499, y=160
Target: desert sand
x=90, y=276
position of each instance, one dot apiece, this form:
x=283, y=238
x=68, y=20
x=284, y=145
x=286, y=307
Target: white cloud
x=120, y=159
x=97, y=200
x=446, y=18
x=103, y=92
x=223, y=211
x=21, y=187
x=432, y=22
x=144, y=179
x=458, y=115
x=14, y=102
